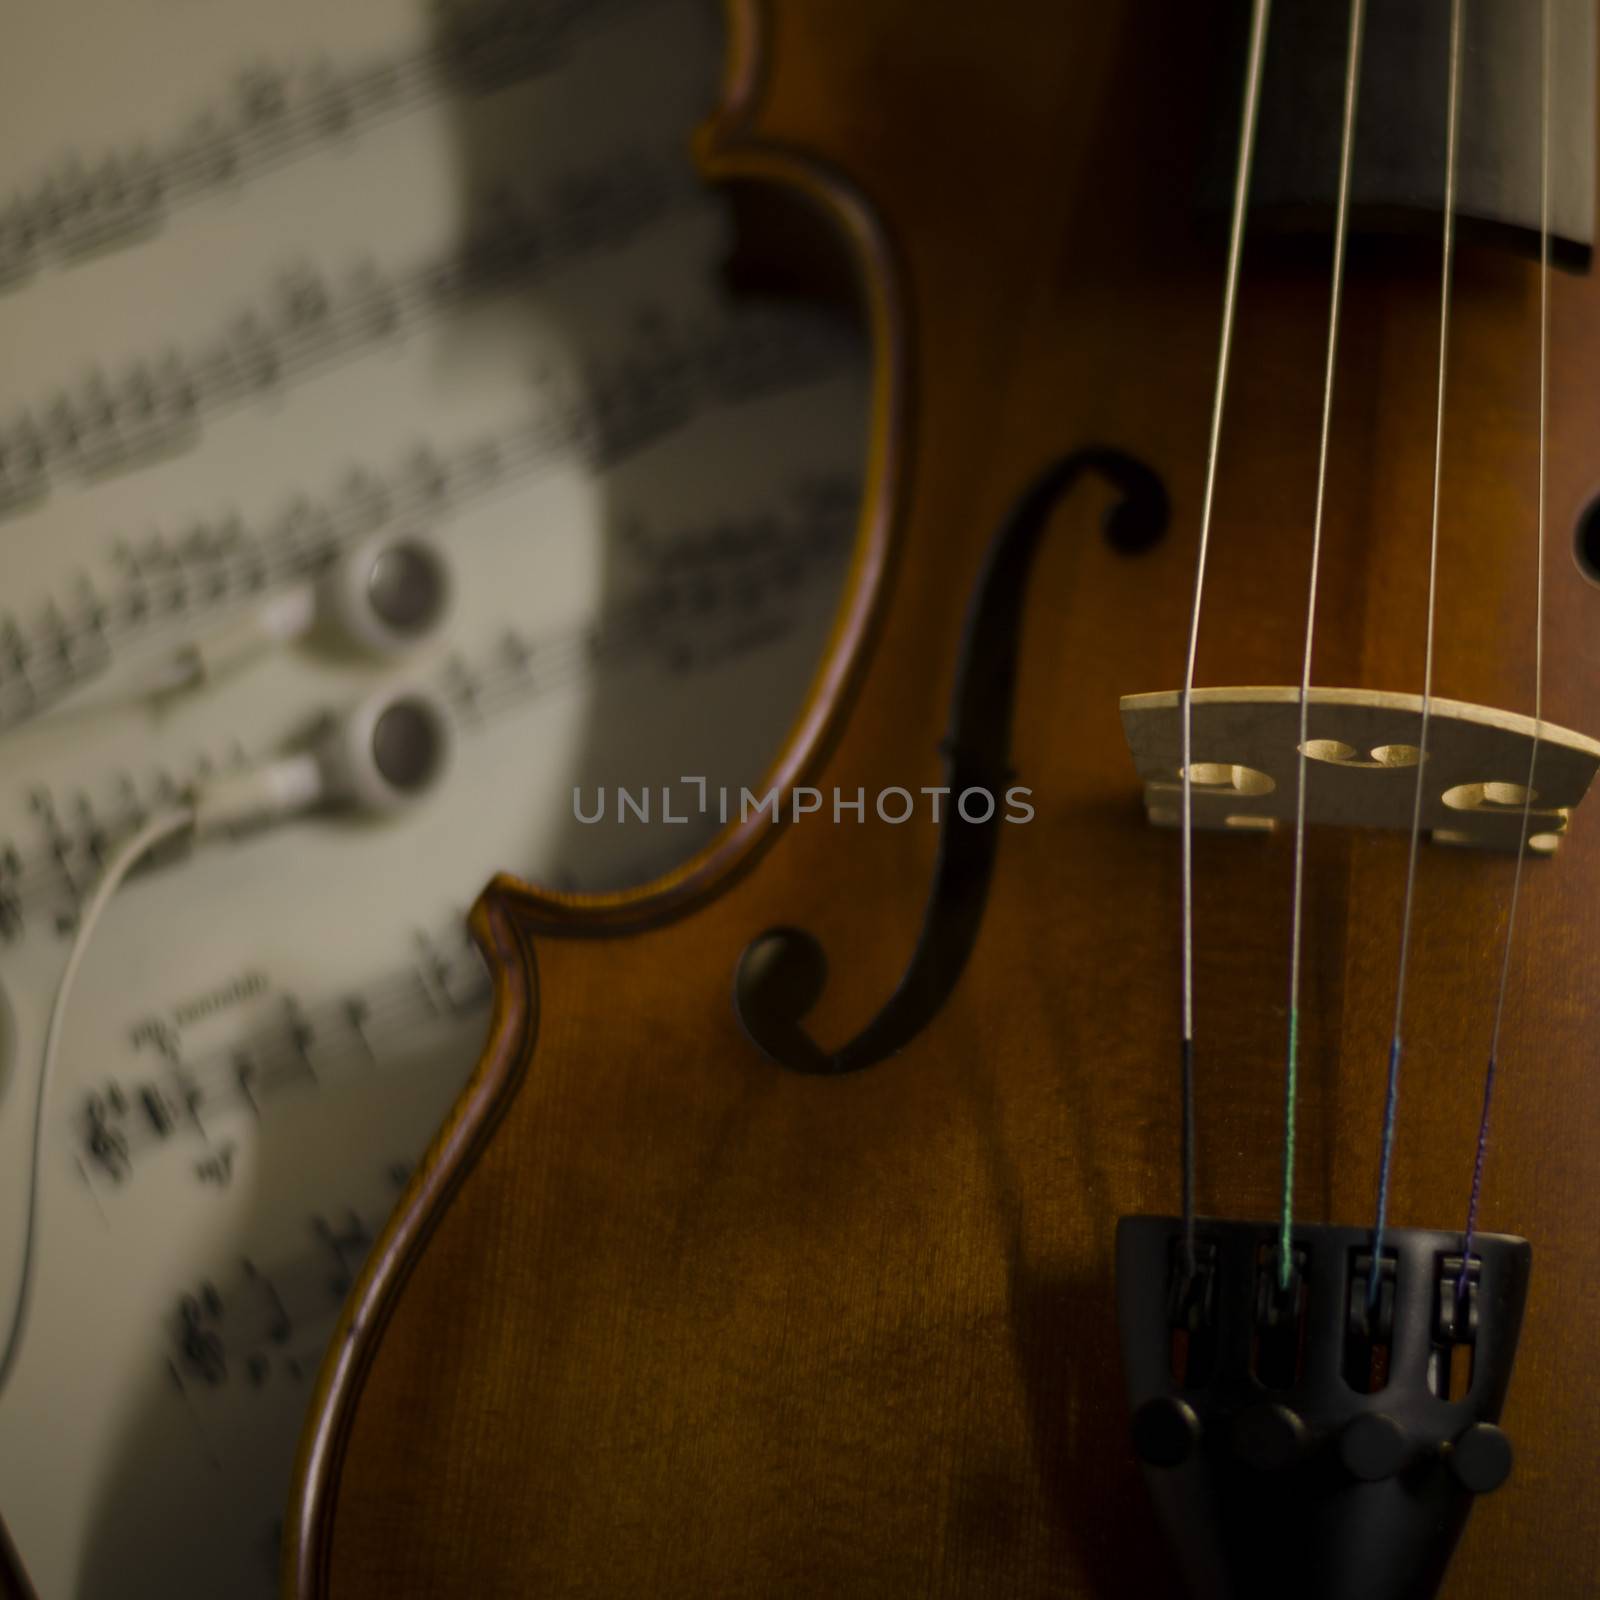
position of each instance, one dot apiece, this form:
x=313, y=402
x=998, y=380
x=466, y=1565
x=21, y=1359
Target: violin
x=1117, y=1122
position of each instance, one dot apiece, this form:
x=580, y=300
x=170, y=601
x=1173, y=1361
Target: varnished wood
x=657, y=1317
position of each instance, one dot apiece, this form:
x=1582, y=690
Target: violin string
x=1259, y=12
x=1392, y=1092
x=1352, y=78
x=1538, y=646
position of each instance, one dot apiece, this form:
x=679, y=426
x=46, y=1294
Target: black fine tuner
x=1311, y=1431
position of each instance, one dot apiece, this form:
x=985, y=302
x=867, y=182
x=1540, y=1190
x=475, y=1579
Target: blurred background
x=275, y=281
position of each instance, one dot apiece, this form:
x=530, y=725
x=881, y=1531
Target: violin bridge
x=1361, y=768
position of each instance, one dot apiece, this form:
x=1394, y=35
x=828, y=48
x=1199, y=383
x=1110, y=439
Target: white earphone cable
x=153, y=833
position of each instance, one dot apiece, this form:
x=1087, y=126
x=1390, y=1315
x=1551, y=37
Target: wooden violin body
x=659, y=1315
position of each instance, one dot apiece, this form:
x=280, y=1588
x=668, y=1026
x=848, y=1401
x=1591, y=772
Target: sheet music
x=273, y=279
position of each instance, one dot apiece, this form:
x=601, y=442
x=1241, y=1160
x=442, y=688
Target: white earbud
x=386, y=595
x=386, y=752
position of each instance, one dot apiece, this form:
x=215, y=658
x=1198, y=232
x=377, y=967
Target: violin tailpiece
x=1315, y=1436
x=1362, y=756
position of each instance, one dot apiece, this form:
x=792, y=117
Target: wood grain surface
x=658, y=1317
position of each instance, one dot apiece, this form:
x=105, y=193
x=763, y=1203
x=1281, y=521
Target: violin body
x=659, y=1315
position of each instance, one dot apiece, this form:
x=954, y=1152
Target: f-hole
x=781, y=974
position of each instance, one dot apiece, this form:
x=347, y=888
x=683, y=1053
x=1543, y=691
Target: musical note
x=106, y=1142
x=196, y=1139
x=348, y=1242
x=117, y=1124
x=670, y=615
x=273, y=1321
x=200, y=1347
x=658, y=384
x=673, y=613
x=119, y=205
x=72, y=834
x=701, y=596
x=273, y=116
x=217, y=1169
x=155, y=410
